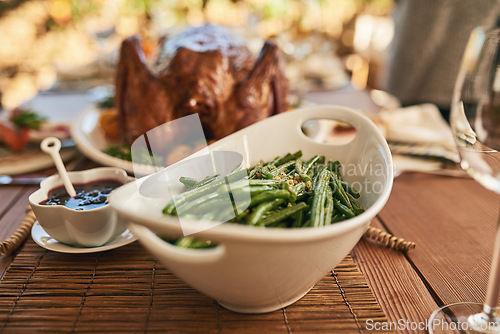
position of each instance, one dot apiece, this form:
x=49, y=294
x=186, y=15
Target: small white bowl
x=82, y=228
x=252, y=269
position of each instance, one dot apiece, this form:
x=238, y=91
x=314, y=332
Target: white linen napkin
x=418, y=130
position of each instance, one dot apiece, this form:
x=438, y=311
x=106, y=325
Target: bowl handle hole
x=328, y=131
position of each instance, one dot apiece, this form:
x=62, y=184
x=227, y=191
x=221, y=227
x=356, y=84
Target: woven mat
x=127, y=291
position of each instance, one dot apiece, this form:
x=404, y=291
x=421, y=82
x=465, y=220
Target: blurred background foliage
x=44, y=41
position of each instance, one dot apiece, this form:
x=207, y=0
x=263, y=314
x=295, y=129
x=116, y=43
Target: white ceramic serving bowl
x=256, y=270
x=87, y=228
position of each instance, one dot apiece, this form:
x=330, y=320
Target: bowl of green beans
x=257, y=219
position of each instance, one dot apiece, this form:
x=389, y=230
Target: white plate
x=44, y=240
x=30, y=160
x=59, y=109
x=90, y=140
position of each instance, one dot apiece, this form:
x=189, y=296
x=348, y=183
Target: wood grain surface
x=398, y=288
x=453, y=222
x=127, y=291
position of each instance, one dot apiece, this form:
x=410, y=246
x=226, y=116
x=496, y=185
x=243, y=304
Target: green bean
x=329, y=206
x=357, y=209
x=208, y=205
x=338, y=217
x=262, y=208
x=243, y=196
x=256, y=172
x=318, y=206
x=227, y=213
x=205, y=181
x=316, y=176
x=169, y=209
x=299, y=219
x=317, y=159
x=343, y=209
x=253, y=190
x=196, y=202
x=274, y=161
x=200, y=191
x=266, y=172
x=208, y=216
x=298, y=188
x=202, y=206
x=301, y=171
x=240, y=218
x=245, y=183
x=350, y=189
x=280, y=215
x=187, y=181
x=270, y=195
x=188, y=242
x=282, y=160
x=284, y=183
x=284, y=167
x=292, y=174
x=340, y=192
x=288, y=157
x=334, y=166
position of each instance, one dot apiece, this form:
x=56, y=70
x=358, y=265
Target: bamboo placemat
x=127, y=291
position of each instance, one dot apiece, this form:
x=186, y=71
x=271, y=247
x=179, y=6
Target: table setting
x=137, y=210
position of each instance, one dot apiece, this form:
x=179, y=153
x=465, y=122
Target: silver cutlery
x=17, y=180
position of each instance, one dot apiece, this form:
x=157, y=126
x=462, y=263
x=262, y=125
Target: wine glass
x=475, y=123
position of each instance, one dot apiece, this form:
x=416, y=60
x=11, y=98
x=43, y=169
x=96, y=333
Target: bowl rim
x=224, y=232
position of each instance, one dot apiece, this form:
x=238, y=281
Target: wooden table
x=451, y=220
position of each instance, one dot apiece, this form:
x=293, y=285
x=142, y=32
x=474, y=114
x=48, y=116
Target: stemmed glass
x=475, y=123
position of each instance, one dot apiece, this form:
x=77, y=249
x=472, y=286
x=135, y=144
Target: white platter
x=90, y=140
x=59, y=109
x=46, y=241
x=30, y=160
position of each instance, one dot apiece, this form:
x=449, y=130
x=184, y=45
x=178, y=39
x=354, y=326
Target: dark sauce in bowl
x=89, y=196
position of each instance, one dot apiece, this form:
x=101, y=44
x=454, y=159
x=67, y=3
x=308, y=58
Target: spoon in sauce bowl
x=52, y=146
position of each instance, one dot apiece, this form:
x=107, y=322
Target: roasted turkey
x=204, y=70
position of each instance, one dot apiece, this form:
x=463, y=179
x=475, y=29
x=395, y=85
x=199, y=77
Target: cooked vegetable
x=15, y=138
x=24, y=118
x=14, y=132
x=262, y=209
x=284, y=192
x=108, y=121
x=319, y=199
x=278, y=216
x=188, y=182
x=119, y=151
x=107, y=102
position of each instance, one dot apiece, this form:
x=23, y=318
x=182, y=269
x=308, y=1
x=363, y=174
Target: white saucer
x=46, y=241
